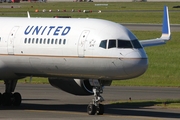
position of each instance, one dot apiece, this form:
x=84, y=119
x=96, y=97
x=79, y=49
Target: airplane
x=77, y=55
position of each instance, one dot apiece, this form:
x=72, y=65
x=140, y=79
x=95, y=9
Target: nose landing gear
x=95, y=106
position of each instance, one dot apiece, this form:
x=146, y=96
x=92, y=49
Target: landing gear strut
x=95, y=106
x=8, y=98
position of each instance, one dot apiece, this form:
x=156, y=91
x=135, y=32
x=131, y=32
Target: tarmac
x=42, y=101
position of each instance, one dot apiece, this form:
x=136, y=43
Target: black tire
x=6, y=99
x=91, y=109
x=100, y=110
x=16, y=99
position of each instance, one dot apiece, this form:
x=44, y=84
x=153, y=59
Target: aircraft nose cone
x=135, y=64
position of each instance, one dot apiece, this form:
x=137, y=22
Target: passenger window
x=44, y=41
x=103, y=44
x=64, y=41
x=112, y=44
x=33, y=40
x=25, y=40
x=60, y=41
x=124, y=44
x=56, y=41
x=40, y=40
x=48, y=41
x=29, y=41
x=52, y=41
x=36, y=40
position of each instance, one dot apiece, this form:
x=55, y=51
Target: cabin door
x=82, y=42
x=11, y=39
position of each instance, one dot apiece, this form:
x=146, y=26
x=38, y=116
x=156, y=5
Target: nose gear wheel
x=95, y=106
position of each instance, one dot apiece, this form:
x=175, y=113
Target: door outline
x=82, y=43
x=10, y=43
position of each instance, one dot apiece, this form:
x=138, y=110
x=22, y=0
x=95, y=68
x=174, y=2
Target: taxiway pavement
x=42, y=101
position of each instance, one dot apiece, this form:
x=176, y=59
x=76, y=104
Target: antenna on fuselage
x=28, y=14
x=30, y=79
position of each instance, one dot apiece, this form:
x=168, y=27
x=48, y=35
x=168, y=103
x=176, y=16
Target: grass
x=131, y=12
x=34, y=80
x=169, y=103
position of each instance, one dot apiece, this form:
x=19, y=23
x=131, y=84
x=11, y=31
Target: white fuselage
x=68, y=47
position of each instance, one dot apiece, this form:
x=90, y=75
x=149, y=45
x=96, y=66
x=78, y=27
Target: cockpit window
x=103, y=44
x=112, y=44
x=136, y=44
x=124, y=44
